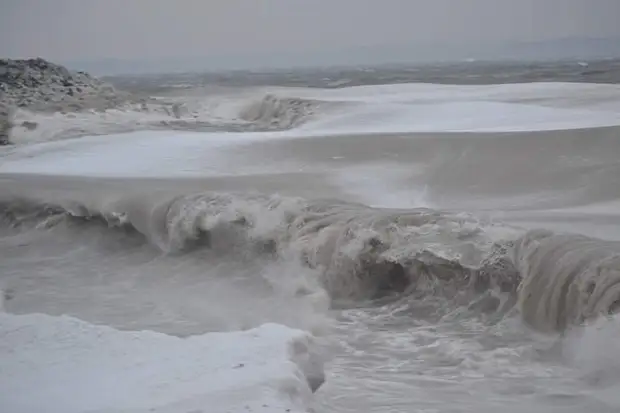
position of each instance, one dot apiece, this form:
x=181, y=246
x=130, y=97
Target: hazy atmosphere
x=327, y=206
x=239, y=32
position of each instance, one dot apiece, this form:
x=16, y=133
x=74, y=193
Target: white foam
x=593, y=353
x=382, y=185
x=65, y=365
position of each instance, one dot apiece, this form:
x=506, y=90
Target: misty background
x=131, y=36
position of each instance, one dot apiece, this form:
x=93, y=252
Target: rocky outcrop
x=39, y=85
x=39, y=101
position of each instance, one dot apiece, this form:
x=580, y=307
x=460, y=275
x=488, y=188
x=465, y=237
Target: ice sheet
x=370, y=110
x=363, y=109
x=65, y=365
x=469, y=116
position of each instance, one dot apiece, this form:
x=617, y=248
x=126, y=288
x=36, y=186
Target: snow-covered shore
x=62, y=364
x=35, y=92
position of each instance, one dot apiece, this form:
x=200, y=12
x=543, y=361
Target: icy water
x=454, y=246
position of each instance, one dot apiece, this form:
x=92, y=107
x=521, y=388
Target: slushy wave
x=363, y=253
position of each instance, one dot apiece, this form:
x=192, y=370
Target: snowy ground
x=360, y=110
x=77, y=367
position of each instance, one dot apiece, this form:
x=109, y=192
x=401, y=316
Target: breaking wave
x=362, y=253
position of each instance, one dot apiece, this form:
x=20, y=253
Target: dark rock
x=33, y=82
x=6, y=124
x=30, y=125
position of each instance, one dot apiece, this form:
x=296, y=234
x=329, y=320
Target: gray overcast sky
x=82, y=29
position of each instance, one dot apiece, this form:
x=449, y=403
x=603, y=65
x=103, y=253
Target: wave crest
x=567, y=278
x=361, y=253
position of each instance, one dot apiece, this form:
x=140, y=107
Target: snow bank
x=305, y=112
x=65, y=365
